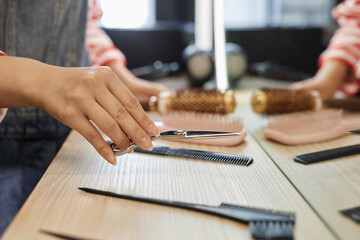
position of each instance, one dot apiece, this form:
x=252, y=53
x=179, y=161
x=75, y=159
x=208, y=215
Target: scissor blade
x=209, y=134
x=181, y=134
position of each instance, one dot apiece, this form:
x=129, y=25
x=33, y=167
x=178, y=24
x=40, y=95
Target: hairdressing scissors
x=176, y=134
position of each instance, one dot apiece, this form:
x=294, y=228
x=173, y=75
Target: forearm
x=333, y=71
x=18, y=79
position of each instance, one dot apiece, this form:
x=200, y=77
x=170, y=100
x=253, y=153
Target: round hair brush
x=194, y=100
x=274, y=101
x=204, y=121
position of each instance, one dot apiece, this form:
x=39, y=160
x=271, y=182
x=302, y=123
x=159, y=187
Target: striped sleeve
x=100, y=47
x=2, y=110
x=345, y=43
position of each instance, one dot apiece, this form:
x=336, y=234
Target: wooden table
x=316, y=192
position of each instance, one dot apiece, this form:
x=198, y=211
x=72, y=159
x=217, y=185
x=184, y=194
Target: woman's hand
x=142, y=89
x=75, y=96
x=327, y=80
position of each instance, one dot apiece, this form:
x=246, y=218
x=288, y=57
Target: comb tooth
x=202, y=155
x=288, y=214
x=271, y=229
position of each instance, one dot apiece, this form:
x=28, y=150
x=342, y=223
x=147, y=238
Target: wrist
x=17, y=81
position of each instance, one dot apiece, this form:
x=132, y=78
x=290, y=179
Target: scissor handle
x=118, y=152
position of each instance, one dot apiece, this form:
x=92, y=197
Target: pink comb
x=309, y=127
x=204, y=121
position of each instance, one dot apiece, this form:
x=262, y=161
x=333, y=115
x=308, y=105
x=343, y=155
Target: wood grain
x=327, y=186
x=57, y=205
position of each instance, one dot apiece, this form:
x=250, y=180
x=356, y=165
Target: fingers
x=296, y=85
x=89, y=132
x=132, y=106
x=107, y=124
x=144, y=89
x=121, y=117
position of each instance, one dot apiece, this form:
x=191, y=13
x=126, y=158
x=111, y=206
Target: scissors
x=176, y=134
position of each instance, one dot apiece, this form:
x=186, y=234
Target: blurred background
x=289, y=34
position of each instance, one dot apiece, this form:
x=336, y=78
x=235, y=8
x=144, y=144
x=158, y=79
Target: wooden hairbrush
x=274, y=101
x=309, y=127
x=193, y=100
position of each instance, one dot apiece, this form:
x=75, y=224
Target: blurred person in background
x=339, y=64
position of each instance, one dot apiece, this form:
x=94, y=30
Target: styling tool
x=353, y=213
x=329, y=154
x=355, y=132
x=204, y=121
x=202, y=155
x=194, y=100
x=177, y=134
x=64, y=236
x=263, y=222
x=278, y=100
x=309, y=127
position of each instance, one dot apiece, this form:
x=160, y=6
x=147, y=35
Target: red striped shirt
x=100, y=47
x=344, y=45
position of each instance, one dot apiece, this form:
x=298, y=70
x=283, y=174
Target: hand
x=327, y=80
x=75, y=96
x=142, y=89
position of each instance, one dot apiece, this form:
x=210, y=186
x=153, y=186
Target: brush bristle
x=305, y=122
x=274, y=101
x=198, y=101
x=202, y=121
x=194, y=100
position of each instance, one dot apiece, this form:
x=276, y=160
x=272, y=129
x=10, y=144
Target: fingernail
x=146, y=143
x=111, y=158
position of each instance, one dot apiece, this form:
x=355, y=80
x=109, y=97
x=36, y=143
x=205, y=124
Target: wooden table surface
x=315, y=192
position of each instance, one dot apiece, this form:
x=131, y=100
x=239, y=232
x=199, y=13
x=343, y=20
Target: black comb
x=264, y=222
x=63, y=236
x=328, y=154
x=268, y=229
x=196, y=154
x=271, y=229
x=353, y=213
x=355, y=132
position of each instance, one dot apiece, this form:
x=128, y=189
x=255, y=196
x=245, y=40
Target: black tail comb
x=272, y=229
x=203, y=155
x=283, y=215
x=315, y=157
x=264, y=222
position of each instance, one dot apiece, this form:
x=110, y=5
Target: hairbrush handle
x=144, y=104
x=194, y=100
x=348, y=104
